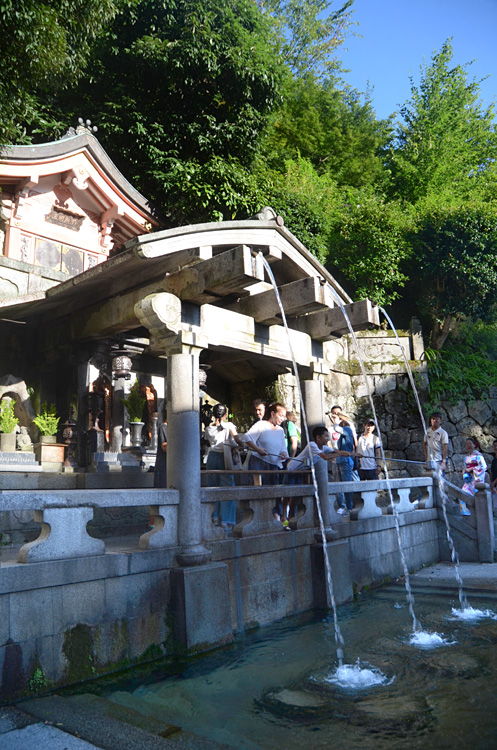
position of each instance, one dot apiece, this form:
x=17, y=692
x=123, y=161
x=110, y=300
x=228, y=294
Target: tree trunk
x=439, y=332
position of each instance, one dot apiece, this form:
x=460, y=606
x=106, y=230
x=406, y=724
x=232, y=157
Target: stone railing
x=64, y=516
x=257, y=504
x=368, y=493
x=480, y=524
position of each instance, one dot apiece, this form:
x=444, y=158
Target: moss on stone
x=79, y=652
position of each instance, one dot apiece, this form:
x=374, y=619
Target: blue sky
x=397, y=34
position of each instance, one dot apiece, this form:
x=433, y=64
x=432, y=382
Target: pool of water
x=272, y=688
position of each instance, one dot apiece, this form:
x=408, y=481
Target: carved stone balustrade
x=257, y=504
x=366, y=496
x=64, y=515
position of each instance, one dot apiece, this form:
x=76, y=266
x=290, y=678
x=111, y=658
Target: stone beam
x=330, y=324
x=226, y=273
x=231, y=330
x=298, y=298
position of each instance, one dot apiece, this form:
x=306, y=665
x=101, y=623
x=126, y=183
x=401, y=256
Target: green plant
x=8, y=420
x=38, y=680
x=134, y=403
x=47, y=420
x=459, y=374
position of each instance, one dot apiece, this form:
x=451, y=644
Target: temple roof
x=35, y=160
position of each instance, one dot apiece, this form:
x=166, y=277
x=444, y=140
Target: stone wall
x=74, y=619
x=394, y=401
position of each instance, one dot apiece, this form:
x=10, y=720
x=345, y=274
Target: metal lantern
x=121, y=365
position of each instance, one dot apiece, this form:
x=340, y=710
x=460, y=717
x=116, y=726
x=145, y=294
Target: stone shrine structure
x=167, y=305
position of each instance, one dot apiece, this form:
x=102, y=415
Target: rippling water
x=276, y=688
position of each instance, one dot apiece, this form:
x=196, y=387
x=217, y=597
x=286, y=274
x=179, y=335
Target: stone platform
x=24, y=461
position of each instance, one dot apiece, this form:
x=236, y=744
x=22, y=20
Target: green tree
x=369, y=245
x=333, y=128
x=43, y=48
x=305, y=199
x=455, y=255
x=447, y=140
x=308, y=32
x=181, y=92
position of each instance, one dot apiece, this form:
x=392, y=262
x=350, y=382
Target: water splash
x=440, y=478
x=339, y=640
x=470, y=614
x=357, y=677
x=424, y=640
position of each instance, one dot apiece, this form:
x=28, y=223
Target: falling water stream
x=339, y=641
x=409, y=595
x=441, y=480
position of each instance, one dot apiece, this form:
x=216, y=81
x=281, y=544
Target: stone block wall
x=388, y=384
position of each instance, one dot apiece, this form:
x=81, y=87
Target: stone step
x=128, y=712
x=110, y=726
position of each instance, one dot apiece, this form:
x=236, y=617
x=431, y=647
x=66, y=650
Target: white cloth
x=311, y=449
x=436, y=439
x=366, y=446
x=269, y=437
x=217, y=436
x=336, y=432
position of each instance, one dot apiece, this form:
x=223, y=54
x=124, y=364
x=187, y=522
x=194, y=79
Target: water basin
x=272, y=688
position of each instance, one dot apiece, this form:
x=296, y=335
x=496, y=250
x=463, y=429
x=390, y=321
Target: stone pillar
x=83, y=386
x=313, y=398
x=199, y=589
x=485, y=523
x=183, y=448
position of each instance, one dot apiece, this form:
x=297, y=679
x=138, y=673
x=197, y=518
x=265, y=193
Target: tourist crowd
x=272, y=445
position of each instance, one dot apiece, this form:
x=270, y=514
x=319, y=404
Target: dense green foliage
x=308, y=32
x=455, y=249
x=466, y=369
x=447, y=140
x=43, y=48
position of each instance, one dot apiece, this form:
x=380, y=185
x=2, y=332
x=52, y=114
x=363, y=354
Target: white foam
x=356, y=677
x=422, y=639
x=470, y=614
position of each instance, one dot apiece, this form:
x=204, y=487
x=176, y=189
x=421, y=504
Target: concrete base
x=114, y=462
x=24, y=461
x=200, y=606
x=338, y=555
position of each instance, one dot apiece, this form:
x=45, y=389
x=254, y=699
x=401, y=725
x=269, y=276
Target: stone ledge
x=114, y=498
x=17, y=577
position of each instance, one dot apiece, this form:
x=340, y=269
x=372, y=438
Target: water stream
x=339, y=641
x=441, y=480
x=409, y=595
x=272, y=688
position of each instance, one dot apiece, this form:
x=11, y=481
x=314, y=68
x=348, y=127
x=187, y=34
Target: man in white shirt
x=438, y=442
x=317, y=448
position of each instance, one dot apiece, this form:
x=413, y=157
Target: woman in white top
x=267, y=439
x=217, y=435
x=368, y=447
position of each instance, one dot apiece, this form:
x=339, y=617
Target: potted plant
x=47, y=422
x=134, y=404
x=8, y=424
x=48, y=452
